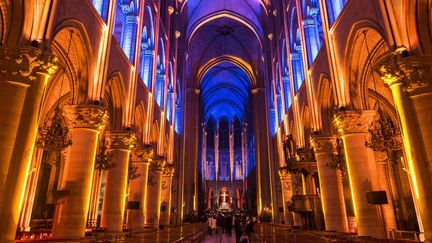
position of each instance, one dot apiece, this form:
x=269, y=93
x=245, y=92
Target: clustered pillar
x=24, y=72
x=361, y=168
x=138, y=188
x=331, y=187
x=167, y=176
x=285, y=178
x=84, y=122
x=120, y=144
x=154, y=189
x=409, y=78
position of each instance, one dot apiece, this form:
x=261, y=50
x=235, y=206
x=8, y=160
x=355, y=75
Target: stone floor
x=220, y=238
x=275, y=234
x=198, y=233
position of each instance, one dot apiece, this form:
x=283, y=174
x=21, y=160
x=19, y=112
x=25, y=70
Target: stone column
x=204, y=158
x=231, y=158
x=286, y=195
x=84, y=122
x=382, y=160
x=167, y=176
x=138, y=187
x=120, y=145
x=216, y=149
x=154, y=191
x=361, y=168
x=409, y=79
x=331, y=187
x=297, y=189
x=24, y=72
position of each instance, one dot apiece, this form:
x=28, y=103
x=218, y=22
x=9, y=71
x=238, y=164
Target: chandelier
x=55, y=136
x=338, y=157
x=104, y=158
x=133, y=171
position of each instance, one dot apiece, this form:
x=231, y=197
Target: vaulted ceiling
x=225, y=42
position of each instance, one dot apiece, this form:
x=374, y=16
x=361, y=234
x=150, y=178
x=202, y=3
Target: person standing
x=213, y=225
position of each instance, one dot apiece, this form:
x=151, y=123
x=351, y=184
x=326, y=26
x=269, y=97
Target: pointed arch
x=115, y=94
x=78, y=61
x=366, y=45
x=326, y=104
x=140, y=122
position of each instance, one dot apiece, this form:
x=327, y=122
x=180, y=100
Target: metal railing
x=404, y=234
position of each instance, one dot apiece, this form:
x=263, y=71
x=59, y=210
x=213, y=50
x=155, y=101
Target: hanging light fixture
x=55, y=136
x=103, y=158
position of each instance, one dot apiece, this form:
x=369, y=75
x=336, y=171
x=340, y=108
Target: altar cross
x=224, y=195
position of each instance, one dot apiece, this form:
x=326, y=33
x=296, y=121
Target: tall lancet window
x=273, y=123
x=101, y=7
x=296, y=51
x=160, y=75
x=334, y=8
x=147, y=48
x=170, y=94
x=125, y=26
x=312, y=24
x=285, y=77
x=210, y=170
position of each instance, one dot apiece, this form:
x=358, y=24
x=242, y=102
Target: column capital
x=284, y=174
x=168, y=170
x=324, y=144
x=354, y=121
x=121, y=140
x=143, y=155
x=412, y=72
x=24, y=63
x=158, y=163
x=85, y=116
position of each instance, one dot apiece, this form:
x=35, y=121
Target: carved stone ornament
x=323, y=144
x=142, y=155
x=158, y=164
x=353, y=121
x=121, y=140
x=85, y=116
x=168, y=170
x=284, y=174
x=413, y=73
x=23, y=63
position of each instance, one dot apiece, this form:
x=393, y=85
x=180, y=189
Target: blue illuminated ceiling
x=225, y=92
x=224, y=53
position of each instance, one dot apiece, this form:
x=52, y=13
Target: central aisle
x=220, y=238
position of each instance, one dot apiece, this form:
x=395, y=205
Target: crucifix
x=224, y=195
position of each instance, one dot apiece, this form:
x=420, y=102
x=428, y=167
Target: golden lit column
x=138, y=188
x=167, y=176
x=84, y=122
x=409, y=79
x=204, y=157
x=286, y=195
x=361, y=167
x=331, y=187
x=120, y=144
x=231, y=158
x=24, y=72
x=216, y=149
x=154, y=191
x=297, y=189
x=382, y=161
